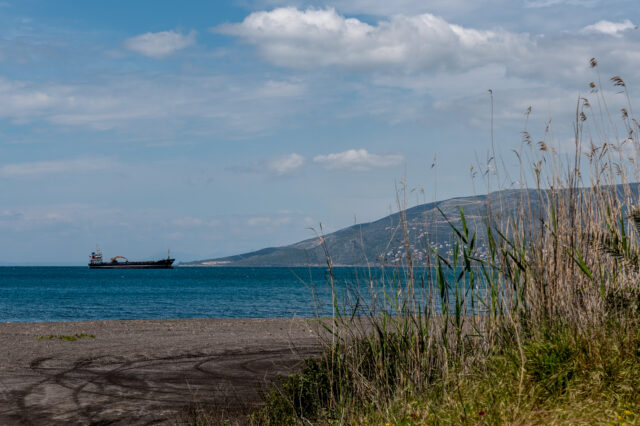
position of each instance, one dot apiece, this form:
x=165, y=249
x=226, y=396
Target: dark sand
x=145, y=371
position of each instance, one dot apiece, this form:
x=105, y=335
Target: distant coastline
x=381, y=242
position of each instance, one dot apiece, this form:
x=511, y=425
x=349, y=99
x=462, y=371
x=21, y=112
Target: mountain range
x=382, y=241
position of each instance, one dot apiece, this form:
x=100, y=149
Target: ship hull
x=159, y=264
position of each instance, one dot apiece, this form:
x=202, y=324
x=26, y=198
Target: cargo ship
x=121, y=262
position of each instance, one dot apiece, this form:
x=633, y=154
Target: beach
x=143, y=371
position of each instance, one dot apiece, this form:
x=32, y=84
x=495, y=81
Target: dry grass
x=541, y=330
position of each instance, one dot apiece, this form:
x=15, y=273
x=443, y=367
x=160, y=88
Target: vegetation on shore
x=541, y=326
x=68, y=338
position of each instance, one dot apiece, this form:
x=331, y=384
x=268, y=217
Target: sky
x=213, y=128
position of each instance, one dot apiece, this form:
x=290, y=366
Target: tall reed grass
x=532, y=316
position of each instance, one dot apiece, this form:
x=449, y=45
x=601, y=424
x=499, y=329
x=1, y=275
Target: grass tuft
x=68, y=338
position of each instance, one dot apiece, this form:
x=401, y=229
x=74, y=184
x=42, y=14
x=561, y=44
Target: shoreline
x=143, y=371
x=97, y=321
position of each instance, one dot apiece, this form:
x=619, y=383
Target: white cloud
x=281, y=89
x=158, y=107
x=81, y=215
x=550, y=3
x=383, y=7
x=425, y=46
x=268, y=221
x=306, y=39
x=39, y=168
x=359, y=160
x=435, y=63
x=285, y=165
x=259, y=221
x=610, y=28
x=161, y=44
x=194, y=222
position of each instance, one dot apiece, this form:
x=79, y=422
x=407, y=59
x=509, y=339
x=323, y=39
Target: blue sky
x=214, y=128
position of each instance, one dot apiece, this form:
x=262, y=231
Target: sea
x=30, y=294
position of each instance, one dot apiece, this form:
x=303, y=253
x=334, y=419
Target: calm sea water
x=78, y=294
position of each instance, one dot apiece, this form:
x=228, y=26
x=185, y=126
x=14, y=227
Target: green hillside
x=382, y=241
